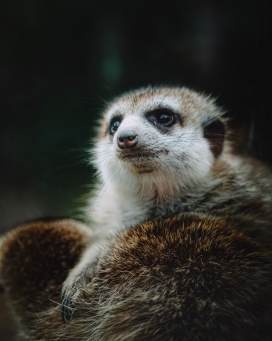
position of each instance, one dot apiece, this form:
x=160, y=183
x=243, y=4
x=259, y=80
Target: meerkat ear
x=215, y=131
x=34, y=262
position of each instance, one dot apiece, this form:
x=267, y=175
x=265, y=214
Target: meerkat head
x=167, y=137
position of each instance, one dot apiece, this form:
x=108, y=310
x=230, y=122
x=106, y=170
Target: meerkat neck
x=131, y=200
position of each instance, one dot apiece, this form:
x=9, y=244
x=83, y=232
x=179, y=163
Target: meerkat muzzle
x=127, y=140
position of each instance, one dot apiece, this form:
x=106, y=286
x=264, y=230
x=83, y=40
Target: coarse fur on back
x=163, y=151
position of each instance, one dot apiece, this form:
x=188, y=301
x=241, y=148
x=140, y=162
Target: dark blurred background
x=61, y=60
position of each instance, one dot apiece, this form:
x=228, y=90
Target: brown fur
x=187, y=278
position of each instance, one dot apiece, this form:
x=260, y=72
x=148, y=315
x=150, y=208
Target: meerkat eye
x=114, y=125
x=163, y=118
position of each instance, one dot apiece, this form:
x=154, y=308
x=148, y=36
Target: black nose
x=127, y=139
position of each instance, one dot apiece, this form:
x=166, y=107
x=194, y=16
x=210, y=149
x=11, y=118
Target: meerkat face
x=159, y=134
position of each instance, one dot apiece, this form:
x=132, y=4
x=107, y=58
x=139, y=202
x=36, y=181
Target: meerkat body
x=164, y=152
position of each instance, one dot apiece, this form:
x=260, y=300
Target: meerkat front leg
x=78, y=278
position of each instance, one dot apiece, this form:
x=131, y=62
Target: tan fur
x=103, y=128
x=187, y=278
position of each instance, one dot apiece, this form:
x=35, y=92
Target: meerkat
x=164, y=161
x=165, y=151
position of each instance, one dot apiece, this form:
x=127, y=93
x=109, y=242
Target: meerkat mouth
x=140, y=161
x=144, y=170
x=140, y=155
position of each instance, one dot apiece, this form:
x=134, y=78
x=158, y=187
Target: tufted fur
x=187, y=278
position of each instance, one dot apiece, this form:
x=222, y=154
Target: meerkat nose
x=127, y=139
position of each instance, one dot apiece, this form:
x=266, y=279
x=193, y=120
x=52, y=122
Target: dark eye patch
x=114, y=124
x=162, y=118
